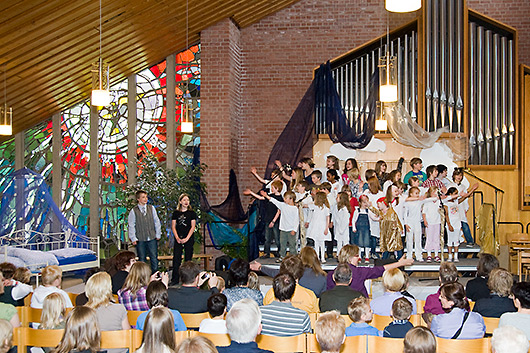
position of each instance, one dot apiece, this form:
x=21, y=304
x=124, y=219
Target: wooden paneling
x=48, y=46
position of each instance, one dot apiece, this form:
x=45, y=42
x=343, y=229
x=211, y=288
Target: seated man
x=521, y=300
x=156, y=296
x=189, y=299
x=239, y=274
x=281, y=318
x=303, y=298
x=508, y=339
x=340, y=296
x=329, y=331
x=52, y=277
x=243, y=323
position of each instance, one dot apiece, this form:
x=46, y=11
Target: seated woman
x=500, y=283
x=8, y=311
x=457, y=322
x=393, y=281
x=132, y=294
x=158, y=335
x=477, y=288
x=81, y=333
x=123, y=263
x=447, y=274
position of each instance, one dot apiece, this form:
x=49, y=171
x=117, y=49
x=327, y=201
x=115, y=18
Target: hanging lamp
x=388, y=91
x=6, y=114
x=381, y=123
x=100, y=76
x=402, y=5
x=186, y=112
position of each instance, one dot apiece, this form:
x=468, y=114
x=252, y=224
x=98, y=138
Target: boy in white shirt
x=52, y=277
x=303, y=198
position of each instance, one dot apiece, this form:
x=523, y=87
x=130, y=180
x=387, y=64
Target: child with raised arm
x=276, y=175
x=453, y=223
x=458, y=178
x=412, y=219
x=270, y=217
x=289, y=220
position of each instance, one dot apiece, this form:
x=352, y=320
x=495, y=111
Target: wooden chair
x=181, y=336
x=380, y=322
x=136, y=340
x=28, y=314
x=116, y=298
x=132, y=316
x=73, y=297
x=385, y=344
x=282, y=344
x=27, y=299
x=481, y=345
x=194, y=320
x=351, y=344
x=117, y=339
x=347, y=320
x=218, y=339
x=491, y=323
x=25, y=336
x=313, y=317
x=419, y=305
x=471, y=305
x=416, y=320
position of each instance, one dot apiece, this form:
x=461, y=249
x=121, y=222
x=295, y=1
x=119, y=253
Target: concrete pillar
x=171, y=127
x=132, y=167
x=94, y=171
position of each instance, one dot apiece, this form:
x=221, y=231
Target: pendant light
x=388, y=91
x=186, y=108
x=381, y=123
x=6, y=114
x=100, y=76
x=402, y=5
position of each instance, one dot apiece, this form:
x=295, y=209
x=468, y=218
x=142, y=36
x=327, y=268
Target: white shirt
x=289, y=221
x=213, y=326
x=132, y=223
x=431, y=212
x=37, y=299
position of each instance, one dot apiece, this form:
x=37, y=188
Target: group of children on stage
x=314, y=208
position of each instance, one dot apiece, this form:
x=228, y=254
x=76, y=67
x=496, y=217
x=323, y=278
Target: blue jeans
x=467, y=233
x=150, y=248
x=373, y=245
x=386, y=254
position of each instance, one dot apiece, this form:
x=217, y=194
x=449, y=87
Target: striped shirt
x=283, y=319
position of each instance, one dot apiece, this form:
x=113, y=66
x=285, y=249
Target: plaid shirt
x=139, y=303
x=434, y=182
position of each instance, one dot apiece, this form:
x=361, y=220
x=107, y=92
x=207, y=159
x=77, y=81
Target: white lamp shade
x=6, y=130
x=381, y=125
x=186, y=127
x=388, y=93
x=402, y=5
x=100, y=97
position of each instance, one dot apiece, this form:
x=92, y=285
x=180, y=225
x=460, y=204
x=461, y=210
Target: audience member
x=500, y=283
x=81, y=333
x=521, y=300
x=8, y=311
x=478, y=287
x=401, y=311
x=458, y=322
x=132, y=294
x=509, y=339
x=393, y=281
x=6, y=336
x=198, y=344
x=221, y=286
x=361, y=314
x=217, y=310
x=253, y=281
x=329, y=331
x=14, y=291
x=52, y=277
x=349, y=254
x=339, y=297
x=123, y=262
x=447, y=274
x=243, y=323
x=303, y=298
x=239, y=274
x=189, y=298
x=22, y=275
x=156, y=296
x=53, y=312
x=158, y=333
x=419, y=339
x=82, y=299
x=281, y=318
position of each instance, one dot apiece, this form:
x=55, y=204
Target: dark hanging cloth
x=327, y=102
x=230, y=209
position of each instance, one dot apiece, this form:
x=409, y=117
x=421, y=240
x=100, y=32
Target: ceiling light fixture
x=100, y=76
x=6, y=114
x=402, y=5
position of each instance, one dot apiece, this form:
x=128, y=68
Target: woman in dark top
x=478, y=288
x=124, y=261
x=500, y=283
x=81, y=333
x=183, y=224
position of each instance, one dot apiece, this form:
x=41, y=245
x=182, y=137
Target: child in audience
x=253, y=281
x=22, y=275
x=53, y=312
x=14, y=291
x=158, y=333
x=401, y=312
x=432, y=221
x=217, y=310
x=52, y=277
x=360, y=313
x=341, y=220
x=453, y=223
x=432, y=179
x=447, y=274
x=318, y=229
x=419, y=339
x=81, y=333
x=416, y=164
x=380, y=171
x=361, y=225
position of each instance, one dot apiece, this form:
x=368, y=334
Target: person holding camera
x=189, y=298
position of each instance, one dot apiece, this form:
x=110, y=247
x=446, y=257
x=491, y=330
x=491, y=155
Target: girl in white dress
x=318, y=229
x=341, y=220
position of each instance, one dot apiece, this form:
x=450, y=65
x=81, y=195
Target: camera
x=206, y=275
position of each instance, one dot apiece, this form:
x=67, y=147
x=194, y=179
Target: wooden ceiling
x=48, y=46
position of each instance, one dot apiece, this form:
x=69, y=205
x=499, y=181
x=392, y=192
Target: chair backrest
x=313, y=317
x=419, y=305
x=471, y=305
x=491, y=323
x=282, y=344
x=481, y=345
x=385, y=344
x=73, y=297
x=347, y=320
x=25, y=336
x=380, y=321
x=27, y=314
x=27, y=299
x=194, y=320
x=218, y=339
x=116, y=339
x=136, y=340
x=351, y=344
x=181, y=336
x=132, y=316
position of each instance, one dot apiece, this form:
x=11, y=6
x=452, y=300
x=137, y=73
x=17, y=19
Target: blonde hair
x=500, y=282
x=321, y=199
x=81, y=331
x=448, y=272
x=309, y=258
x=50, y=274
x=358, y=307
x=53, y=309
x=98, y=290
x=393, y=280
x=138, y=277
x=419, y=339
x=297, y=176
x=221, y=285
x=22, y=274
x=353, y=174
x=343, y=201
x=329, y=331
x=253, y=280
x=347, y=252
x=198, y=344
x=432, y=191
x=6, y=335
x=158, y=329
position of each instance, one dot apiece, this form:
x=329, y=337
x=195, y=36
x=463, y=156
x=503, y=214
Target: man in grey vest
x=145, y=230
